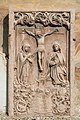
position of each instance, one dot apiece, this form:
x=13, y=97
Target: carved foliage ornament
x=45, y=18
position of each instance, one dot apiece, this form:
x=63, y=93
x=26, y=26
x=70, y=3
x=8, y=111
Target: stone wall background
x=47, y=4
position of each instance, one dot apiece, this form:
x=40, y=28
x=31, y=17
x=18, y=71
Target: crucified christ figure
x=40, y=44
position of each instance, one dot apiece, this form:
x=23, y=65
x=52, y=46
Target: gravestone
x=41, y=63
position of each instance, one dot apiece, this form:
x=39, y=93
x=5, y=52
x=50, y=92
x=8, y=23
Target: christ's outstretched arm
x=29, y=32
x=51, y=32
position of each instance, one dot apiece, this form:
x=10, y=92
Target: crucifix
x=40, y=44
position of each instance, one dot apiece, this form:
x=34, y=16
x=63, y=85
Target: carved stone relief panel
x=40, y=51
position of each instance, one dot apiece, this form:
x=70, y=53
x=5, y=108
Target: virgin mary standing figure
x=24, y=64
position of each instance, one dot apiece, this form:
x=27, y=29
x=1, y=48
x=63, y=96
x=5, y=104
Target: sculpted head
x=26, y=47
x=38, y=34
x=38, y=30
x=56, y=47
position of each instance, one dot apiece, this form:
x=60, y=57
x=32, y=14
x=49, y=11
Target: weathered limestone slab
x=41, y=63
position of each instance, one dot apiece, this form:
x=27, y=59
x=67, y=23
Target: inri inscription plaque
x=41, y=63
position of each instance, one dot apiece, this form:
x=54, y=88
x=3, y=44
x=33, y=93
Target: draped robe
x=58, y=68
